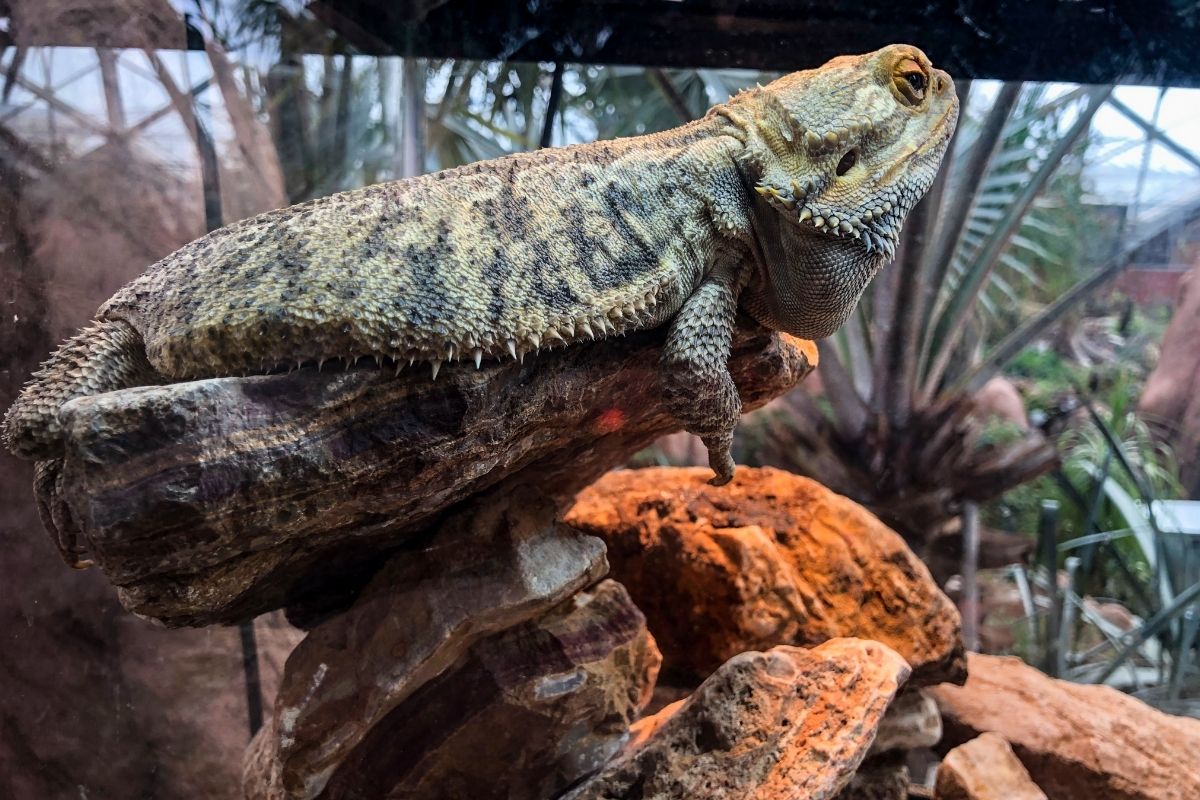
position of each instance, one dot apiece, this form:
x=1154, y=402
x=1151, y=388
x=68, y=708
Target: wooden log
x=216, y=500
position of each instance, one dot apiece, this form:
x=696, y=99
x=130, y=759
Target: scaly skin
x=785, y=200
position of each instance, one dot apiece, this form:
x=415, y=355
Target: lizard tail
x=105, y=356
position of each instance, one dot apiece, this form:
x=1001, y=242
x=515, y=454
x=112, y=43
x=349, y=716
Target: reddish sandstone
x=1076, y=741
x=769, y=559
x=785, y=723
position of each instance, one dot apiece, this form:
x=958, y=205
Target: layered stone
x=522, y=715
x=356, y=674
x=216, y=500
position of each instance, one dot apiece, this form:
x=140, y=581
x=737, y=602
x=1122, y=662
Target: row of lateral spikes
x=828, y=220
x=557, y=335
x=833, y=138
x=815, y=140
x=563, y=332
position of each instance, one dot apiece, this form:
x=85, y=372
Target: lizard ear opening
x=848, y=161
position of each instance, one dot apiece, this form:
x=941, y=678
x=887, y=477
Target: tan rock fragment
x=1076, y=741
x=1171, y=397
x=984, y=769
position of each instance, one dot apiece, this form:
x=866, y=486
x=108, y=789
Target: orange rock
x=984, y=769
x=771, y=558
x=1076, y=741
x=787, y=723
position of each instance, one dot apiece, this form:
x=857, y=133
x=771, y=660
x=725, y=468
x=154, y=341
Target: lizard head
x=838, y=156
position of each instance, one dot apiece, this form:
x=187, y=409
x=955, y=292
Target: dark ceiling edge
x=1085, y=41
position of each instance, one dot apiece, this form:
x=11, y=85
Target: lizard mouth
x=874, y=225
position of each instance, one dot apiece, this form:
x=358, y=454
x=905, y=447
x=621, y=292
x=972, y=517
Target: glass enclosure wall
x=1050, y=254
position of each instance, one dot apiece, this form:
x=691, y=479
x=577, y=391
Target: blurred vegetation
x=1047, y=254
x=1084, y=452
x=1050, y=384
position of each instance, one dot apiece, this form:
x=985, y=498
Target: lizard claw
x=720, y=480
x=720, y=460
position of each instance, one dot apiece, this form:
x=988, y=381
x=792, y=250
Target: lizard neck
x=802, y=281
x=711, y=151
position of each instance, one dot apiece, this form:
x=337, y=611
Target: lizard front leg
x=695, y=369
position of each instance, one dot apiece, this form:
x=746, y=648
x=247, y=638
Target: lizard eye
x=848, y=161
x=910, y=81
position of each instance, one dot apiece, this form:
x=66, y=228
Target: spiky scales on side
x=787, y=200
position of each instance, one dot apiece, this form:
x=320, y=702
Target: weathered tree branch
x=216, y=500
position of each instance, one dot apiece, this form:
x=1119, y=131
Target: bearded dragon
x=784, y=201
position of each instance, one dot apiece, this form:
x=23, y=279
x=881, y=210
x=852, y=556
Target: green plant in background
x=1085, y=452
x=1046, y=252
x=1127, y=609
x=1041, y=363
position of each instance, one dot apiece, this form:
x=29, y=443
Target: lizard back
x=497, y=257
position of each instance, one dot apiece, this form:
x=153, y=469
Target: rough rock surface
x=998, y=400
x=521, y=716
x=348, y=685
x=784, y=723
x=1076, y=741
x=771, y=558
x=912, y=720
x=879, y=778
x=984, y=769
x=215, y=500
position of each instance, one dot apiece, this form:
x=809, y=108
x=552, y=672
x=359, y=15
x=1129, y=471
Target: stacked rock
x=495, y=660
x=213, y=501
x=1012, y=726
x=776, y=559
x=493, y=663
